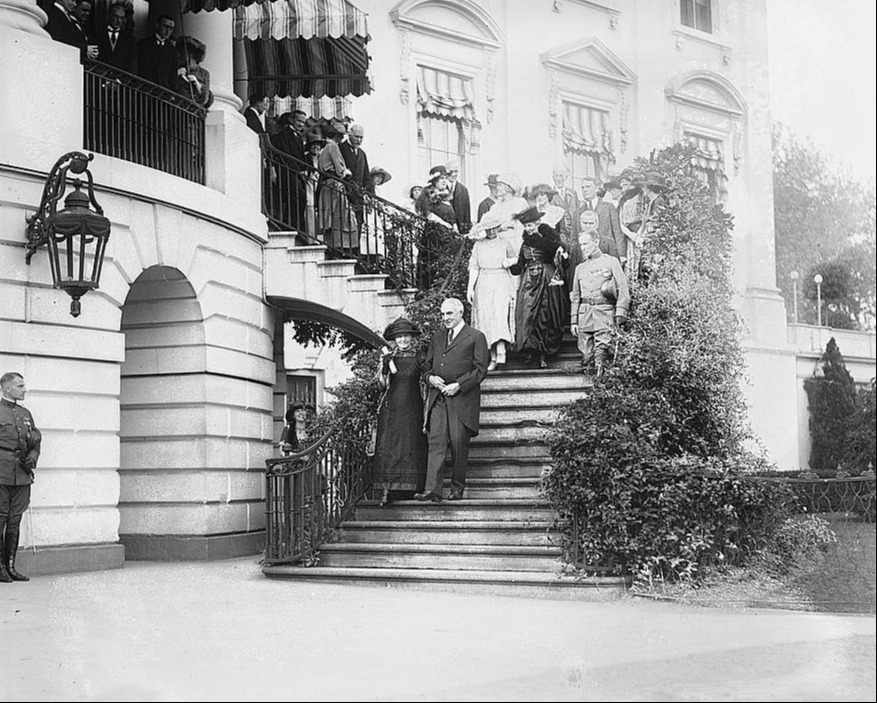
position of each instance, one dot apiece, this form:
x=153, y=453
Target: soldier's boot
x=599, y=361
x=4, y=574
x=11, y=549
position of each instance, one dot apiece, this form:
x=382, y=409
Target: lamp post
x=794, y=276
x=817, y=279
x=76, y=235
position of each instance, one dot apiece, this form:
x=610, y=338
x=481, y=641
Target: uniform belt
x=594, y=301
x=10, y=451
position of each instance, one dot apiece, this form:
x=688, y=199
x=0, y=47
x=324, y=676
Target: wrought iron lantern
x=77, y=235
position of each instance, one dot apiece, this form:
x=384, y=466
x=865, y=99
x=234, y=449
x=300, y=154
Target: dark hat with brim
x=656, y=182
x=531, y=214
x=492, y=179
x=399, y=327
x=437, y=172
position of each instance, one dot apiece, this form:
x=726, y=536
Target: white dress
x=493, y=308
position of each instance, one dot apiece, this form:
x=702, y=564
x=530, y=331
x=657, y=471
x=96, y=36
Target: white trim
x=555, y=58
x=492, y=36
x=735, y=105
x=586, y=101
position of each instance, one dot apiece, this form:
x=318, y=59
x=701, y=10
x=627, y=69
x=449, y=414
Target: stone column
x=24, y=15
x=215, y=30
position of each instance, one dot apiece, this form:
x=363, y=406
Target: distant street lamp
x=794, y=276
x=76, y=236
x=817, y=279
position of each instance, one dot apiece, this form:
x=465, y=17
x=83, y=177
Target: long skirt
x=337, y=221
x=540, y=313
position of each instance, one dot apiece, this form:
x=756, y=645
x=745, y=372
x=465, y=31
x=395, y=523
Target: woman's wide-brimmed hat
x=656, y=181
x=378, y=171
x=437, y=172
x=542, y=189
x=411, y=189
x=334, y=128
x=511, y=180
x=189, y=46
x=531, y=214
x=399, y=327
x=491, y=220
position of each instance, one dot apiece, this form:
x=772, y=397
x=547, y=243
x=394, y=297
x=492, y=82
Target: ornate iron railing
x=133, y=119
x=309, y=493
x=350, y=221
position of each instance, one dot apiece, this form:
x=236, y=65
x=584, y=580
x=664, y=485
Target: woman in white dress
x=508, y=204
x=491, y=290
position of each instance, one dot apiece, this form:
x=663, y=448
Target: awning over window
x=709, y=159
x=447, y=95
x=210, y=5
x=587, y=131
x=304, y=48
x=319, y=108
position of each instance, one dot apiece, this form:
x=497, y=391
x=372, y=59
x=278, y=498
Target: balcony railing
x=132, y=119
x=351, y=222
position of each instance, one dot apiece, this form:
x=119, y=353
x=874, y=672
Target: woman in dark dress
x=400, y=452
x=540, y=311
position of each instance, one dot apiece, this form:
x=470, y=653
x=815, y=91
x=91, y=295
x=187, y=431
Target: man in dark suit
x=612, y=239
x=157, y=56
x=487, y=203
x=255, y=113
x=455, y=366
x=63, y=27
x=459, y=199
x=356, y=161
x=290, y=179
x=115, y=46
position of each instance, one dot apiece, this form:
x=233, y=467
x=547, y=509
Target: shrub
x=832, y=404
x=797, y=541
x=859, y=448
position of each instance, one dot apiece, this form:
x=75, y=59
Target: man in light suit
x=612, y=239
x=455, y=366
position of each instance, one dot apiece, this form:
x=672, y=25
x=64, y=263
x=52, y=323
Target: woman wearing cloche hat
x=400, y=449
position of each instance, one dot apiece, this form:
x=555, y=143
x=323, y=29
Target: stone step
x=469, y=509
x=520, y=416
x=532, y=584
x=342, y=268
x=496, y=434
x=538, y=379
x=467, y=557
x=530, y=398
x=498, y=452
x=449, y=532
x=498, y=488
x=366, y=283
x=532, y=470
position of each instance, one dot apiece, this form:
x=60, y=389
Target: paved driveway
x=222, y=632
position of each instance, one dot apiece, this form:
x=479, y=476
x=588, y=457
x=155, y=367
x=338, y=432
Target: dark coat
x=464, y=362
x=612, y=239
x=157, y=63
x=62, y=29
x=123, y=57
x=358, y=165
x=252, y=118
x=289, y=142
x=19, y=442
x=484, y=206
x=462, y=207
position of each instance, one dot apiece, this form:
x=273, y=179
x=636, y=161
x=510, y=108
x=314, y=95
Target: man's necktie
x=450, y=337
x=113, y=37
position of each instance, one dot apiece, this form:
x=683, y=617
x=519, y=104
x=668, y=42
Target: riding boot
x=599, y=361
x=11, y=549
x=4, y=574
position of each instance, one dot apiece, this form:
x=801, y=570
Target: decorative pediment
x=590, y=58
x=459, y=20
x=707, y=90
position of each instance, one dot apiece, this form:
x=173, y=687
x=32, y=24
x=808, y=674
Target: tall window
x=710, y=163
x=301, y=389
x=587, y=142
x=439, y=141
x=697, y=14
x=447, y=126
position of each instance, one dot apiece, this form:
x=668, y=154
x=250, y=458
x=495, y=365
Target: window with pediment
x=589, y=101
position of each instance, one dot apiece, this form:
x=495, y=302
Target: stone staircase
x=501, y=537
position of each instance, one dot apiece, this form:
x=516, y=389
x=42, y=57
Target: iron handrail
x=310, y=492
x=353, y=223
x=130, y=118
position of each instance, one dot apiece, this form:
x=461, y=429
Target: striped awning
x=304, y=48
x=448, y=95
x=323, y=109
x=210, y=5
x=587, y=131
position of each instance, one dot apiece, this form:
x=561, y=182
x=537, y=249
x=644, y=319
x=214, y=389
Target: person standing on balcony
x=115, y=46
x=313, y=146
x=19, y=450
x=257, y=113
x=399, y=468
x=336, y=219
x=192, y=79
x=459, y=197
x=157, y=55
x=360, y=174
x=63, y=27
x=455, y=366
x=291, y=178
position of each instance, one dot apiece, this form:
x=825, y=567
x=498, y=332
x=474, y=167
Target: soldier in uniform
x=599, y=297
x=19, y=451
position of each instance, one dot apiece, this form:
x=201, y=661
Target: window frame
x=694, y=5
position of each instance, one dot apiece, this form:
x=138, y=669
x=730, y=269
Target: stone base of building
x=192, y=547
x=70, y=559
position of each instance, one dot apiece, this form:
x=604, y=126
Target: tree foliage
x=824, y=221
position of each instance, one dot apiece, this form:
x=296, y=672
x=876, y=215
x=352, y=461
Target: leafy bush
x=653, y=462
x=797, y=541
x=832, y=404
x=859, y=449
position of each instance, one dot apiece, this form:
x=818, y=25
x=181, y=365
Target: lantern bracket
x=56, y=185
